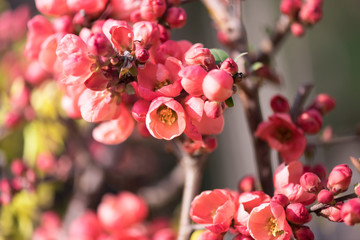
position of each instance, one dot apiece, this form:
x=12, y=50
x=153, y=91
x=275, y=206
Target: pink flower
x=310, y=121
x=323, y=103
x=210, y=126
x=297, y=213
x=122, y=9
x=97, y=106
x=147, y=33
x=115, y=131
x=166, y=118
x=89, y=6
x=86, y=227
x=310, y=182
x=192, y=79
x=350, y=212
x=175, y=17
x=268, y=222
x=283, y=136
x=325, y=196
x=197, y=55
x=333, y=213
x=216, y=208
x=122, y=38
x=52, y=7
x=152, y=9
x=156, y=80
x=339, y=179
x=279, y=104
x=246, y=184
x=117, y=212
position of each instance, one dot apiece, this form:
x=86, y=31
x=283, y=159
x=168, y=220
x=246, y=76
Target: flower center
x=283, y=134
x=273, y=228
x=161, y=84
x=167, y=115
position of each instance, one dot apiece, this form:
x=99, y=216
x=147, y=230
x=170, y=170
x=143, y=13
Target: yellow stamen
x=161, y=84
x=273, y=228
x=166, y=115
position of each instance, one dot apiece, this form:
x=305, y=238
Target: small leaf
x=256, y=66
x=219, y=55
x=229, y=102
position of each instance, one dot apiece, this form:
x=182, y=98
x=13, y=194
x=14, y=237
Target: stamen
x=166, y=115
x=161, y=84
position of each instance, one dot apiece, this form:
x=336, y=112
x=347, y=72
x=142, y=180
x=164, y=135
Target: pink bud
x=217, y=85
x=323, y=103
x=246, y=184
x=152, y=9
x=164, y=234
x=140, y=109
x=297, y=213
x=64, y=24
x=98, y=44
x=303, y=233
x=325, y=196
x=229, y=66
x=357, y=189
x=18, y=167
x=192, y=79
x=350, y=212
x=52, y=7
x=135, y=16
x=213, y=109
x=297, y=29
x=333, y=213
x=30, y=176
x=89, y=6
x=281, y=199
x=45, y=162
x=310, y=121
x=279, y=104
x=290, y=7
x=311, y=12
x=5, y=186
x=210, y=144
x=175, y=17
x=339, y=179
x=310, y=182
x=86, y=226
x=198, y=55
x=142, y=55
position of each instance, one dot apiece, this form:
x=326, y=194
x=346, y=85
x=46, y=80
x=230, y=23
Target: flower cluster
x=123, y=70
x=253, y=214
x=288, y=136
x=120, y=216
x=302, y=13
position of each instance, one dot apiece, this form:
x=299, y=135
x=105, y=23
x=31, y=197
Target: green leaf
x=229, y=102
x=219, y=55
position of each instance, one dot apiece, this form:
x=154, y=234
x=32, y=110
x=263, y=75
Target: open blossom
x=268, y=222
x=283, y=136
x=216, y=208
x=165, y=118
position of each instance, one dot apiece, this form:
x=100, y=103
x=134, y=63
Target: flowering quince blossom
x=282, y=135
x=216, y=208
x=268, y=222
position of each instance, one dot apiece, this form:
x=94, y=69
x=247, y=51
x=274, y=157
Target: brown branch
x=320, y=206
x=193, y=169
x=301, y=96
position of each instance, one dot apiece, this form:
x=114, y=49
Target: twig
x=320, y=206
x=193, y=167
x=301, y=96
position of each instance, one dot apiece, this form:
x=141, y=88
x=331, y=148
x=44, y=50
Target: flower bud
x=217, y=85
x=209, y=144
x=147, y=33
x=281, y=199
x=310, y=121
x=17, y=183
x=192, y=79
x=350, y=211
x=229, y=66
x=63, y=24
x=98, y=44
x=18, y=167
x=339, y=179
x=5, y=186
x=152, y=9
x=246, y=184
x=323, y=103
x=279, y=104
x=213, y=109
x=197, y=55
x=303, y=233
x=297, y=29
x=333, y=213
x=142, y=55
x=140, y=109
x=325, y=196
x=176, y=17
x=290, y=7
x=297, y=213
x=311, y=12
x=165, y=234
x=310, y=182
x=357, y=189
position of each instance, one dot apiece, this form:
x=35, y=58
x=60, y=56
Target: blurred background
x=327, y=56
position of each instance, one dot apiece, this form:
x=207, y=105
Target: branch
x=301, y=96
x=193, y=167
x=320, y=206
